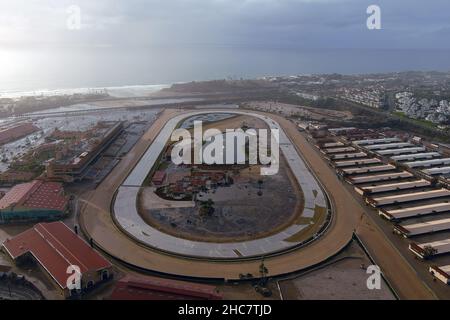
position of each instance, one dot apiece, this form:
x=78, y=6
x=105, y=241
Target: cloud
x=309, y=23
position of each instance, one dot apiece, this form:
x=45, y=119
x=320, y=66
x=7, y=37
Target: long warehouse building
x=333, y=144
x=416, y=156
x=415, y=211
x=430, y=249
x=380, y=177
x=375, y=141
x=442, y=273
x=437, y=171
x=415, y=229
x=353, y=163
x=393, y=186
x=389, y=152
x=428, y=163
x=348, y=156
x=339, y=150
x=388, y=146
x=369, y=169
x=408, y=197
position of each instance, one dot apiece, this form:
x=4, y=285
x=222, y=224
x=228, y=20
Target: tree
x=263, y=271
x=429, y=251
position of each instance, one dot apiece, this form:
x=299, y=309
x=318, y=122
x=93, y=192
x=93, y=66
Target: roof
x=16, y=194
x=416, y=156
x=159, y=175
x=10, y=134
x=413, y=196
x=372, y=141
x=397, y=186
x=37, y=195
x=152, y=288
x=55, y=246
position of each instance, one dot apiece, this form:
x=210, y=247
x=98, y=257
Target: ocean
x=134, y=71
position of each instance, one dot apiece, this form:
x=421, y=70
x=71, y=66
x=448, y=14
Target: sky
x=139, y=42
x=406, y=24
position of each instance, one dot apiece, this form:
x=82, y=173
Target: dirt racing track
x=98, y=221
x=116, y=239
x=128, y=219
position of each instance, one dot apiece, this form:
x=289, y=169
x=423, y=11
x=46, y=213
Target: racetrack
x=128, y=219
x=97, y=222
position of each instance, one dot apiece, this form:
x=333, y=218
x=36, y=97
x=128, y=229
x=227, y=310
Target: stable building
x=416, y=211
x=416, y=156
x=379, y=177
x=393, y=187
x=388, y=146
x=54, y=247
x=368, y=169
x=442, y=273
x=375, y=141
x=353, y=163
x=430, y=249
x=414, y=229
x=408, y=197
x=34, y=201
x=390, y=152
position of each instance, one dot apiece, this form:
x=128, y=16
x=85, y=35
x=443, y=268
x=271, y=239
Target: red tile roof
x=11, y=134
x=16, y=194
x=36, y=194
x=152, y=288
x=55, y=246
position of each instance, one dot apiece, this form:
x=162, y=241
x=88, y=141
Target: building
x=152, y=288
x=415, y=156
x=400, y=151
x=437, y=171
x=33, y=201
x=17, y=132
x=428, y=163
x=375, y=141
x=72, y=164
x=417, y=211
x=55, y=248
x=348, y=156
x=427, y=250
x=353, y=163
x=442, y=273
x=368, y=169
x=339, y=150
x=393, y=187
x=158, y=178
x=380, y=177
x=408, y=197
x=414, y=229
x=385, y=146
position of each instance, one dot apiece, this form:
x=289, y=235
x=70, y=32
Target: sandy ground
x=345, y=278
x=151, y=200
x=98, y=224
